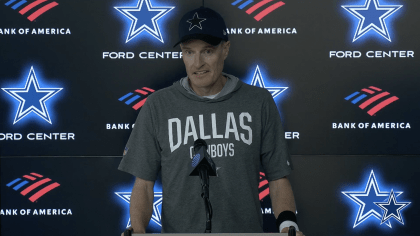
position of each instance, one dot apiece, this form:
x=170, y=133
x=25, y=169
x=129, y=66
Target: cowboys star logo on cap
x=196, y=21
x=212, y=33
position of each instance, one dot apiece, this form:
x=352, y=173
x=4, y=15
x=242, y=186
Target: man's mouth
x=201, y=72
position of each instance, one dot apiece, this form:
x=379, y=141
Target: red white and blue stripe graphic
x=33, y=185
x=33, y=9
x=256, y=7
x=138, y=98
x=372, y=97
x=263, y=187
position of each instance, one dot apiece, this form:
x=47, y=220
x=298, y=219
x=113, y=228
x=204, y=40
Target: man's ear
x=226, y=47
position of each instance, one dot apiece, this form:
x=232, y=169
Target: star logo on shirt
x=157, y=206
x=32, y=98
x=392, y=208
x=257, y=80
x=196, y=22
x=372, y=201
x=144, y=17
x=372, y=16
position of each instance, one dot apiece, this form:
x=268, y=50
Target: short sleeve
x=275, y=157
x=141, y=156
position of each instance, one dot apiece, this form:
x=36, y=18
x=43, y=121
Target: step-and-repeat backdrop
x=343, y=73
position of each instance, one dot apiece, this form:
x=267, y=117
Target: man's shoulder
x=164, y=92
x=251, y=90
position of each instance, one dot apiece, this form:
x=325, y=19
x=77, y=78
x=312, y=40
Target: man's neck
x=215, y=89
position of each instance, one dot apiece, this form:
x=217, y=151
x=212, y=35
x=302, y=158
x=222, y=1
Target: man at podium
x=239, y=122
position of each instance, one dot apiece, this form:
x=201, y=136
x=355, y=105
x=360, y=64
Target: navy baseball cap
x=202, y=23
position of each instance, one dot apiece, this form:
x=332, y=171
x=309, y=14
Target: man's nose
x=198, y=61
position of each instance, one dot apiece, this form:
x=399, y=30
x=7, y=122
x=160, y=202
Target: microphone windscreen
x=199, y=143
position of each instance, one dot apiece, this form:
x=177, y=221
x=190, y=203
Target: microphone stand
x=204, y=175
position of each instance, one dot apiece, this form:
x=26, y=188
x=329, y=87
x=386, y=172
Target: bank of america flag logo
x=263, y=187
x=373, y=99
x=138, y=97
x=372, y=17
x=144, y=17
x=259, y=9
x=376, y=204
x=33, y=186
x=32, y=98
x=33, y=9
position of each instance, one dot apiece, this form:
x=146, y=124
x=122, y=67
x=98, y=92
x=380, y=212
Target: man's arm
x=141, y=204
x=281, y=195
x=282, y=198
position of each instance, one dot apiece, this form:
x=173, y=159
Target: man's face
x=204, y=65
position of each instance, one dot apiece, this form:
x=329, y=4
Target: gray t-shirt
x=242, y=129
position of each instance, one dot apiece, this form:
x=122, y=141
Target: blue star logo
x=392, y=208
x=157, y=206
x=372, y=202
x=32, y=98
x=372, y=16
x=257, y=80
x=144, y=17
x=126, y=197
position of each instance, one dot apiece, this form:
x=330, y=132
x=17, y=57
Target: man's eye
x=208, y=51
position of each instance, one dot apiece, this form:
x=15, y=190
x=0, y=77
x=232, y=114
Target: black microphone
x=203, y=166
x=202, y=159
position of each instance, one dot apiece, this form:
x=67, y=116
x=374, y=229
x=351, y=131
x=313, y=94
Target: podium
x=292, y=232
x=225, y=234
